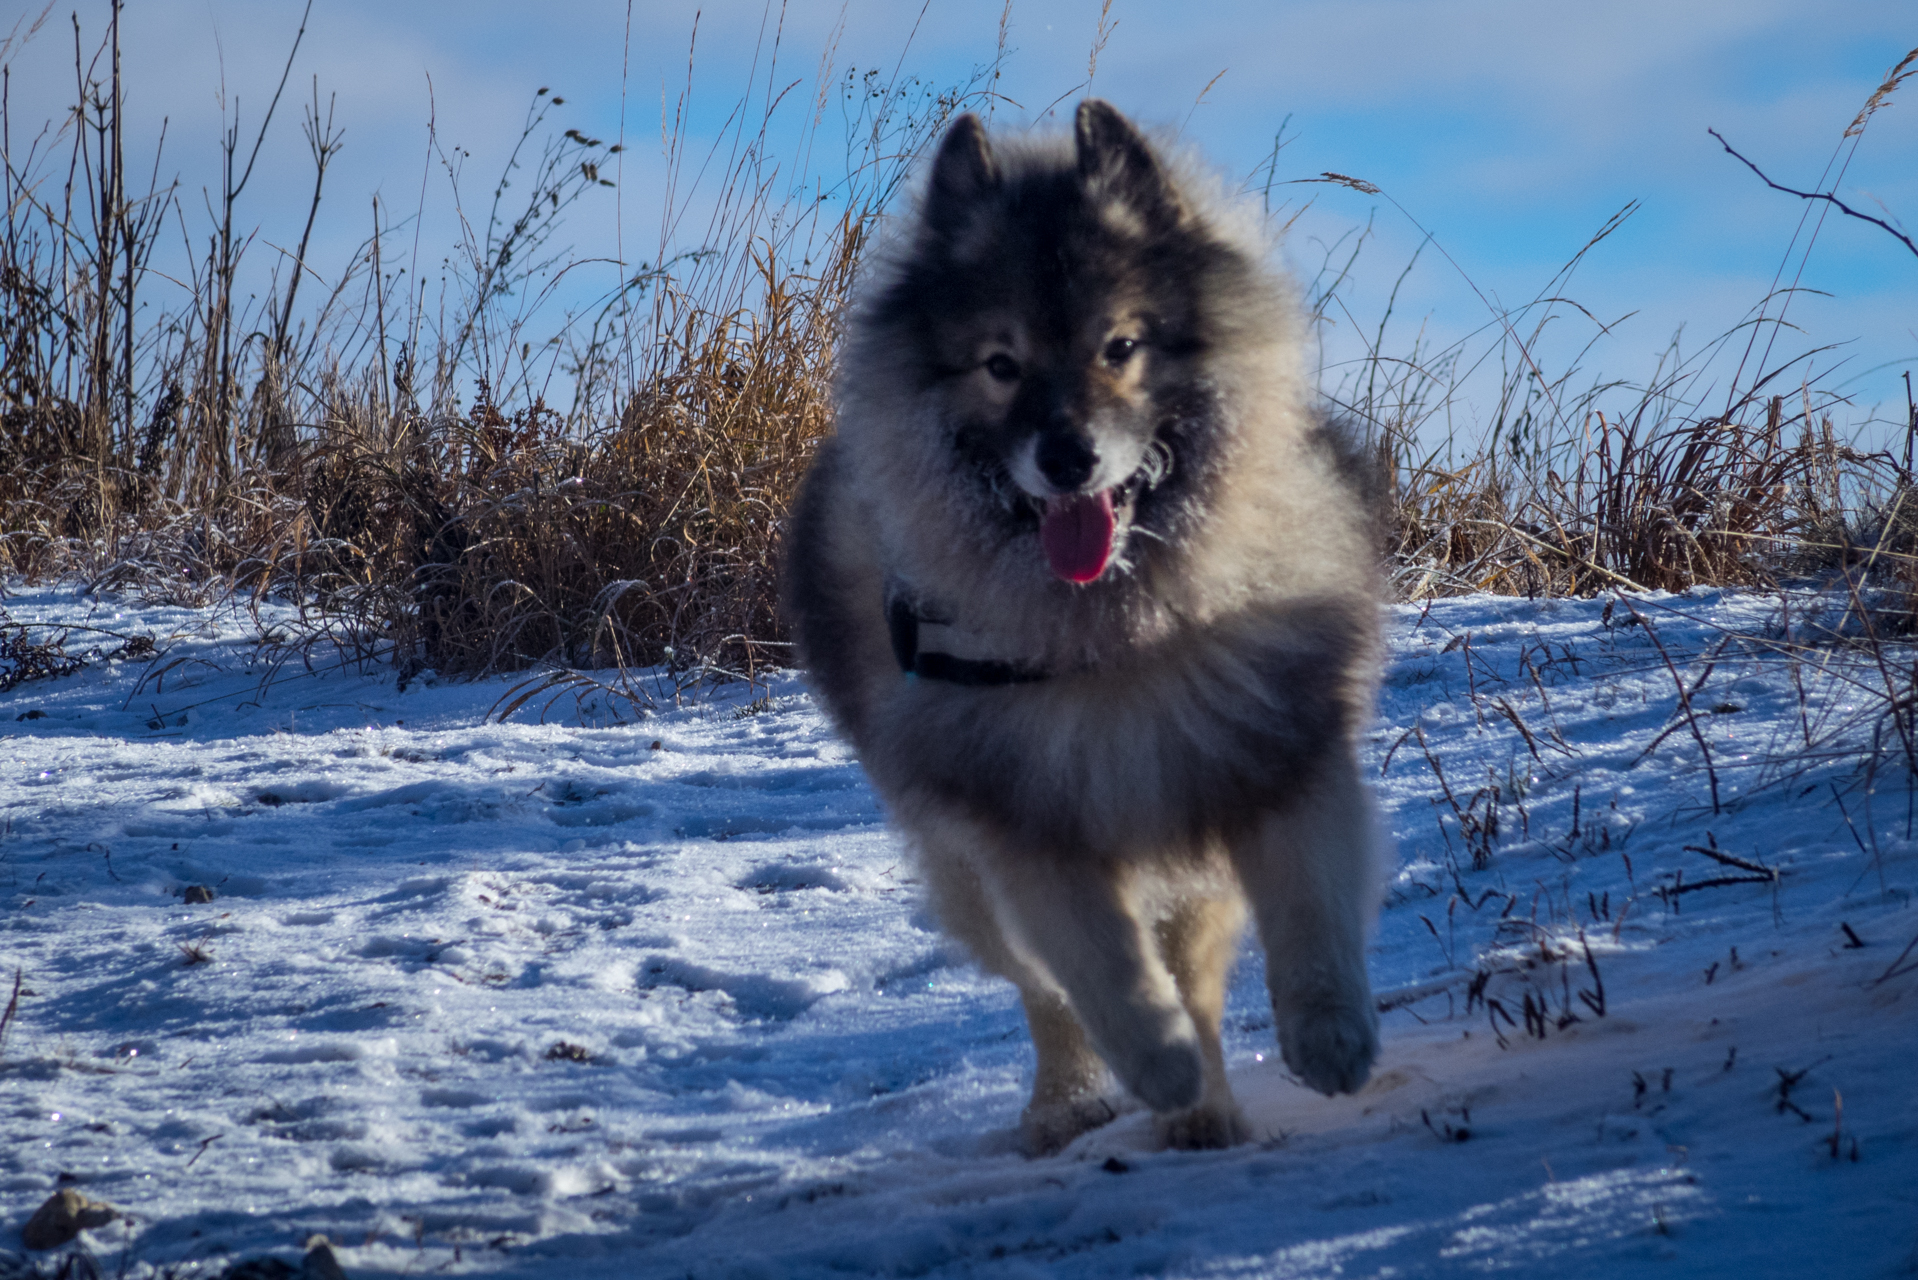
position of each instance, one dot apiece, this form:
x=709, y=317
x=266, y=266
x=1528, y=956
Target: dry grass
x=1702, y=475
x=314, y=443
x=653, y=536
x=190, y=451
x=1640, y=487
x=1648, y=504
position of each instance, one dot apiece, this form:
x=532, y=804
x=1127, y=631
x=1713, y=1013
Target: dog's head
x=1059, y=308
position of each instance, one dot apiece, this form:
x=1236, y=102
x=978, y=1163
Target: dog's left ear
x=1116, y=161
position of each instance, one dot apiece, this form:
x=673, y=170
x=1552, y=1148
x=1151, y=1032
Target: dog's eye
x=1120, y=350
x=1003, y=367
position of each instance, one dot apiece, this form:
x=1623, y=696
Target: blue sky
x=1510, y=129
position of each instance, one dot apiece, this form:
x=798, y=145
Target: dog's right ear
x=1117, y=163
x=962, y=171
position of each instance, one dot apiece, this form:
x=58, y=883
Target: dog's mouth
x=1076, y=531
x=1079, y=532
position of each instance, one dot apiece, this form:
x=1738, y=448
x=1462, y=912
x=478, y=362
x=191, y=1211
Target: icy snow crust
x=661, y=998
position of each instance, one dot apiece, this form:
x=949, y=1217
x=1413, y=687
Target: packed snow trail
x=658, y=996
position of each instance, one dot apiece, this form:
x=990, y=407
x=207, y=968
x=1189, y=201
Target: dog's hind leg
x=1312, y=873
x=1079, y=923
x=1070, y=1084
x=1198, y=940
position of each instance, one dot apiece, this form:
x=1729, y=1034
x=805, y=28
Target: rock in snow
x=64, y=1215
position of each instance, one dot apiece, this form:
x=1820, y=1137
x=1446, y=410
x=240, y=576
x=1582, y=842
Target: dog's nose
x=1065, y=459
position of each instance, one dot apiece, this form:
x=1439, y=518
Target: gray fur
x=1062, y=318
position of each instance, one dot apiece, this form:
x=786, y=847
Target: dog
x=1092, y=588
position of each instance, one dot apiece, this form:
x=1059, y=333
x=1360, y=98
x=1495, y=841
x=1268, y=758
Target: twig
x=1816, y=195
x=1684, y=697
x=1617, y=579
x=1394, y=751
x=1595, y=999
x=1892, y=972
x=1670, y=891
x=1505, y=709
x=13, y=1006
x=1733, y=860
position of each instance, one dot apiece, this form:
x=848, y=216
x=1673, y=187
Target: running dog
x=1092, y=586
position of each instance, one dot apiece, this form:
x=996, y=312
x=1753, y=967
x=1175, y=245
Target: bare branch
x=1815, y=195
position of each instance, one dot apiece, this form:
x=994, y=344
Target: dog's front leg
x=1198, y=941
x=1312, y=871
x=1077, y=921
x=1070, y=1083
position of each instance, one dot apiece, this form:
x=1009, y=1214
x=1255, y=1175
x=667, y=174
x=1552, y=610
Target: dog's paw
x=1330, y=1049
x=1206, y=1127
x=1166, y=1077
x=1051, y=1127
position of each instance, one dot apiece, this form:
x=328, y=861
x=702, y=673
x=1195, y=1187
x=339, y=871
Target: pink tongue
x=1076, y=532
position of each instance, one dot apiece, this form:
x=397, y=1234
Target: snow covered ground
x=658, y=996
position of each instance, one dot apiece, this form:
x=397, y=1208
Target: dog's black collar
x=902, y=624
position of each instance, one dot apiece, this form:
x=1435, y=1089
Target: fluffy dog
x=1091, y=587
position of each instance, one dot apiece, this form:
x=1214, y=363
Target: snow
x=654, y=993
